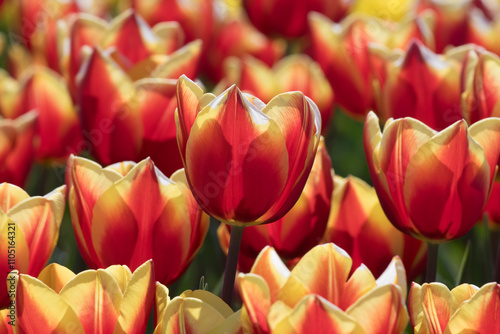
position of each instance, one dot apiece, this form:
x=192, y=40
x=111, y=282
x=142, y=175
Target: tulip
x=318, y=287
x=394, y=10
x=465, y=309
x=258, y=161
x=196, y=311
x=358, y=225
x=138, y=48
x=153, y=217
x=289, y=18
x=294, y=72
x=111, y=300
x=124, y=119
x=422, y=85
x=30, y=229
x=342, y=52
x=432, y=185
x=16, y=148
x=57, y=130
x=300, y=229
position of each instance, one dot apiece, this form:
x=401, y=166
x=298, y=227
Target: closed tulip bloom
x=29, y=230
x=432, y=185
x=300, y=229
x=196, y=312
x=153, y=217
x=111, y=300
x=294, y=72
x=16, y=148
x=465, y=309
x=246, y=162
x=319, y=287
x=342, y=52
x=358, y=225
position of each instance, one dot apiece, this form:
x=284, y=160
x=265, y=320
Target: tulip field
x=250, y=166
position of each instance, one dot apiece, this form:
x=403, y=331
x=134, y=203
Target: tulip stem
x=432, y=256
x=231, y=263
x=496, y=277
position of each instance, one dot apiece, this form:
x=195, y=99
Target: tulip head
x=432, y=185
x=154, y=217
x=29, y=230
x=246, y=162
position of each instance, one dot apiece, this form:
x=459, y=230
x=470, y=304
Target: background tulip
x=111, y=300
x=300, y=229
x=153, y=217
x=358, y=225
x=29, y=230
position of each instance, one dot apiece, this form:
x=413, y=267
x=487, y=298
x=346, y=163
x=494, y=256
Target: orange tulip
x=111, y=300
x=135, y=46
x=194, y=312
x=123, y=119
x=30, y=229
x=153, y=217
x=465, y=309
x=422, y=85
x=289, y=18
x=319, y=288
x=294, y=72
x=358, y=225
x=342, y=52
x=16, y=148
x=246, y=162
x=58, y=130
x=300, y=229
x=432, y=185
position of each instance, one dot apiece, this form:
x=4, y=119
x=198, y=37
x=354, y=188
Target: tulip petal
x=137, y=301
x=211, y=299
x=487, y=134
x=461, y=294
x=95, y=297
x=382, y=311
x=122, y=274
x=359, y=284
x=10, y=196
x=269, y=266
x=43, y=311
x=394, y=274
x=479, y=314
x=323, y=263
x=161, y=301
x=256, y=299
x=182, y=62
x=56, y=276
x=434, y=302
x=314, y=314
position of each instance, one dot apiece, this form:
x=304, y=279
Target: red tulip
x=289, y=18
x=153, y=217
x=29, y=231
x=16, y=148
x=432, y=185
x=258, y=156
x=294, y=72
x=300, y=229
x=358, y=225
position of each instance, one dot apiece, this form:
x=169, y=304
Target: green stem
x=231, y=263
x=432, y=256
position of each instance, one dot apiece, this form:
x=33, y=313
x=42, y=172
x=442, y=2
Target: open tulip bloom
x=432, y=185
x=246, y=162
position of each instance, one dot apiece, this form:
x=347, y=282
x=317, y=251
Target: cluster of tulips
x=183, y=124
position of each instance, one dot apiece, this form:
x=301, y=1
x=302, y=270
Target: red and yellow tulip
x=358, y=225
x=300, y=229
x=194, y=312
x=294, y=72
x=432, y=185
x=57, y=128
x=111, y=300
x=123, y=119
x=16, y=148
x=246, y=162
x=319, y=287
x=29, y=230
x=289, y=18
x=465, y=309
x=422, y=85
x=342, y=52
x=153, y=217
